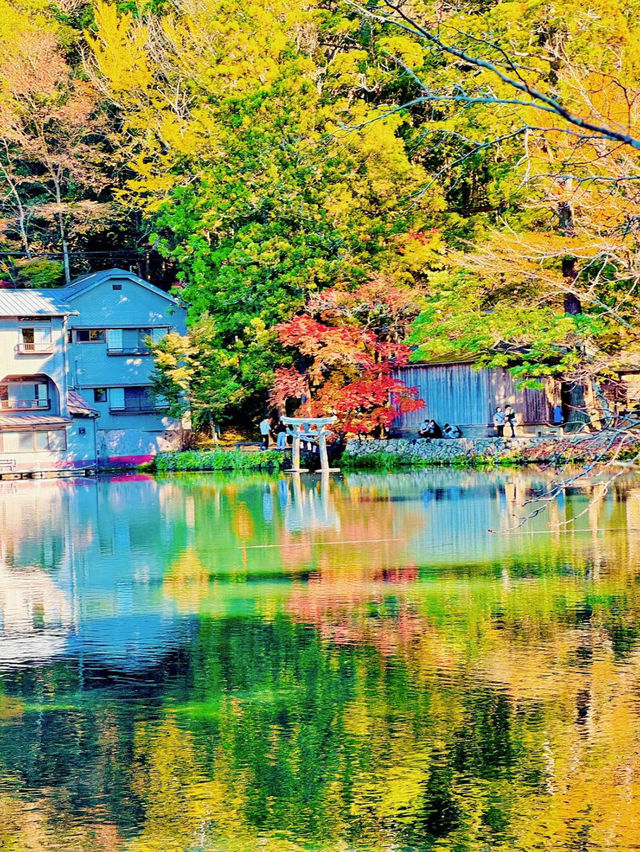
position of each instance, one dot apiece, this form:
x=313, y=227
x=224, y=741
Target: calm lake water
x=208, y=662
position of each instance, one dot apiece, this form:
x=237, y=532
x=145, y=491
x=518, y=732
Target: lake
x=380, y=662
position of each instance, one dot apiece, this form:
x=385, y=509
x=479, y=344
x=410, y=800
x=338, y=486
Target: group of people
x=502, y=417
x=432, y=430
x=282, y=434
x=267, y=431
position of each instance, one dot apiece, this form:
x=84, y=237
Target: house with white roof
x=75, y=374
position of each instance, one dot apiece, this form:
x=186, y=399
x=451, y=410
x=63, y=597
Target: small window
x=90, y=335
x=138, y=399
x=143, y=335
x=37, y=616
x=116, y=286
x=99, y=394
x=35, y=334
x=42, y=440
x=17, y=442
x=25, y=441
x=57, y=440
x=35, y=339
x=70, y=336
x=53, y=439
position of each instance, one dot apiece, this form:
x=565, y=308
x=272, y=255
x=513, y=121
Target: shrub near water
x=381, y=461
x=218, y=460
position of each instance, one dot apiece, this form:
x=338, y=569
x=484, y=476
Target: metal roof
x=79, y=406
x=22, y=421
x=42, y=303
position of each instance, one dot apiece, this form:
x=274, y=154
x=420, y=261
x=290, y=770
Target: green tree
x=530, y=114
x=256, y=191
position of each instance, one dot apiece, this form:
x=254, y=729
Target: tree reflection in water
x=260, y=663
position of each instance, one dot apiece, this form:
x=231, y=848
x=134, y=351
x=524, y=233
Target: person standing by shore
x=281, y=436
x=499, y=419
x=265, y=431
x=510, y=416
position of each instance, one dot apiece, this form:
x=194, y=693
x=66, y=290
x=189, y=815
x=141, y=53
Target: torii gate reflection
x=314, y=431
x=306, y=509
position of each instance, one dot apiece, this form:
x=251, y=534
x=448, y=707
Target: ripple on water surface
x=235, y=663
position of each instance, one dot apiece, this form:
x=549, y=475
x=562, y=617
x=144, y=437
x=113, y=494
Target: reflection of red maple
x=351, y=343
x=341, y=613
x=344, y=598
x=405, y=574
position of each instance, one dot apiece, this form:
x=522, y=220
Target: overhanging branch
x=538, y=99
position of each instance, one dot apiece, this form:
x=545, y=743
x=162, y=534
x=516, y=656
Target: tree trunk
x=21, y=214
x=63, y=237
x=65, y=257
x=571, y=302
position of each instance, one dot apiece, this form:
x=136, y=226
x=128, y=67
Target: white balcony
x=39, y=348
x=24, y=404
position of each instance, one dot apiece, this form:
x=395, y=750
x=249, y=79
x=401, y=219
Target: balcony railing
x=23, y=404
x=143, y=408
x=35, y=348
x=131, y=350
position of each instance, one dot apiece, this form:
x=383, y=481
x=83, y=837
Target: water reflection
x=216, y=662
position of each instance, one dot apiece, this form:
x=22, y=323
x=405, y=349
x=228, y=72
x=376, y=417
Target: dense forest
x=334, y=187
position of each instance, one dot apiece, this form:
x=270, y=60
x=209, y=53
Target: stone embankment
x=583, y=447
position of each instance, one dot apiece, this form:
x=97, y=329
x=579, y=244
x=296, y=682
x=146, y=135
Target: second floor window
x=90, y=335
x=34, y=339
x=132, y=341
x=18, y=396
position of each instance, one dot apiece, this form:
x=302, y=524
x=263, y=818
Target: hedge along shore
x=419, y=452
x=217, y=460
x=468, y=452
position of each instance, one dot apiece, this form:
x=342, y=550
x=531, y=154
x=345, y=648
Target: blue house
x=75, y=374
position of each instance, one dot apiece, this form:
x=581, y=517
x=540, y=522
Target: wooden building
x=459, y=393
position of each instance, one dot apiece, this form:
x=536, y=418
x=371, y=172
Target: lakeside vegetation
x=406, y=453
x=238, y=460
x=334, y=188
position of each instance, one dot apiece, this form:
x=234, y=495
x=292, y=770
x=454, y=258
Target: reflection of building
x=75, y=373
x=35, y=616
x=81, y=572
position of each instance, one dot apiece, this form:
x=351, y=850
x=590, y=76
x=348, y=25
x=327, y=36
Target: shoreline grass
x=239, y=460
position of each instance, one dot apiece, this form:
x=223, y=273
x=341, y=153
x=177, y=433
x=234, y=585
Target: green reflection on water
x=216, y=663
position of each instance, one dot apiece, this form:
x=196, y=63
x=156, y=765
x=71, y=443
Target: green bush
x=391, y=461
x=380, y=461
x=218, y=460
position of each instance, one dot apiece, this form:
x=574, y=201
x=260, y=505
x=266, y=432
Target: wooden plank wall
x=454, y=393
x=532, y=406
x=461, y=395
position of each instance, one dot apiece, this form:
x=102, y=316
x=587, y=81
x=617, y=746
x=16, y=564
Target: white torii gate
x=302, y=431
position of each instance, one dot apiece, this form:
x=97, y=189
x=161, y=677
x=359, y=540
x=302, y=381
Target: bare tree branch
x=539, y=100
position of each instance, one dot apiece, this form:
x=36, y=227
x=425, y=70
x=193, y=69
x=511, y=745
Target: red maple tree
x=350, y=345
